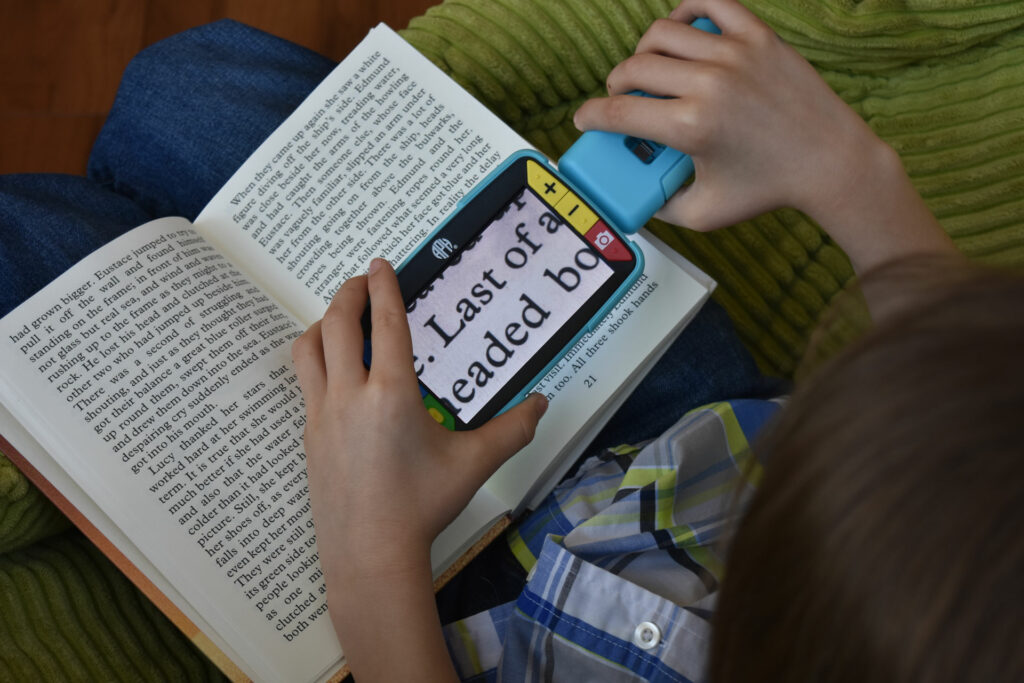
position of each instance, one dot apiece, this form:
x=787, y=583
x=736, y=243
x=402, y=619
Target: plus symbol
x=549, y=188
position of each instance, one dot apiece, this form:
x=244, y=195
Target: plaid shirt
x=624, y=561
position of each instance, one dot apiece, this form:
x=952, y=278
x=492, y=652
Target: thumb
x=503, y=436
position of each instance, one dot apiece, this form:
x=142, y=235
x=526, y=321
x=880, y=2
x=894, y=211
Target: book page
x=368, y=165
x=159, y=378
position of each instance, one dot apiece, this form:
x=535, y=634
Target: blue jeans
x=189, y=111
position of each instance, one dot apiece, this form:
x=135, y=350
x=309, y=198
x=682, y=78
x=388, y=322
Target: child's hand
x=384, y=477
x=763, y=129
x=764, y=132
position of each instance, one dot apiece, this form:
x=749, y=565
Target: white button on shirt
x=647, y=636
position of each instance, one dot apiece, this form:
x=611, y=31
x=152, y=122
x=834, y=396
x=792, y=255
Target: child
x=884, y=541
x=625, y=585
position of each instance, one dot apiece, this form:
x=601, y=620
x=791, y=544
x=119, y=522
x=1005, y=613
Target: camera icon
x=603, y=239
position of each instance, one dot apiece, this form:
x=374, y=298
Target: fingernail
x=542, y=405
x=375, y=265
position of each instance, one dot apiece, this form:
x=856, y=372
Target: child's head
x=886, y=542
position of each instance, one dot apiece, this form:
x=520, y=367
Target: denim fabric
x=706, y=363
x=48, y=222
x=188, y=111
x=192, y=108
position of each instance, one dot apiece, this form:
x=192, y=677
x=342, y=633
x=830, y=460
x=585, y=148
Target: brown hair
x=886, y=542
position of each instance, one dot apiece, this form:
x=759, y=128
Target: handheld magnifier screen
x=505, y=286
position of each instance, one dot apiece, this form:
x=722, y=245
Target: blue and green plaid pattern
x=631, y=542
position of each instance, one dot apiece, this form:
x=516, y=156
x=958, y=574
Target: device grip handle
x=628, y=178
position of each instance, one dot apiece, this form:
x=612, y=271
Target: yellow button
x=436, y=414
x=576, y=212
x=543, y=183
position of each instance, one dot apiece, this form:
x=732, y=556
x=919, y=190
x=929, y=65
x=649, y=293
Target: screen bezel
x=461, y=229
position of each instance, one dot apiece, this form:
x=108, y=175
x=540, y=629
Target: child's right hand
x=762, y=127
x=764, y=131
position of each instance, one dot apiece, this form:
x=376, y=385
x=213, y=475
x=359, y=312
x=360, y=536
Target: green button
x=438, y=412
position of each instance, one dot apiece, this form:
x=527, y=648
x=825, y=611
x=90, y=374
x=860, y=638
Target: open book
x=149, y=390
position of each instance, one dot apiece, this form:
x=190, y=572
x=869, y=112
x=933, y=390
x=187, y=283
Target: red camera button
x=604, y=240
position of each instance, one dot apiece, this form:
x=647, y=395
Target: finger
x=658, y=75
x=694, y=207
x=680, y=40
x=308, y=357
x=728, y=15
x=504, y=436
x=392, y=345
x=343, y=335
x=670, y=122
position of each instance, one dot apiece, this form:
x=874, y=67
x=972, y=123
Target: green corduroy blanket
x=941, y=80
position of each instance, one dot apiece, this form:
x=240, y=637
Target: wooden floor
x=61, y=60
